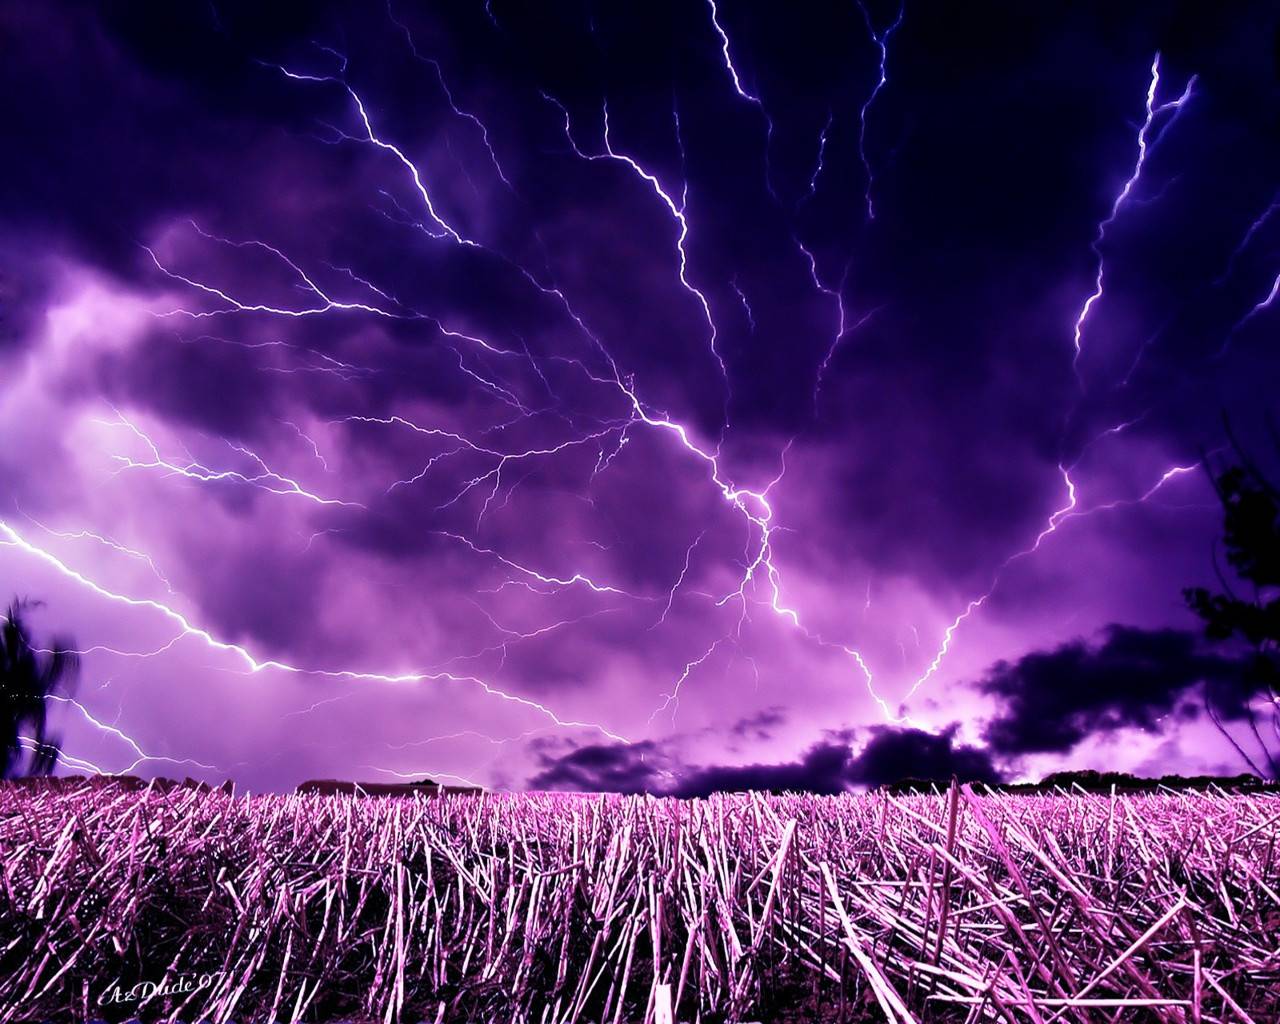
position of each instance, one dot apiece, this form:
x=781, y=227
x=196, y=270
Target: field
x=951, y=907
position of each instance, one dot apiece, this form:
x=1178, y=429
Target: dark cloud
x=828, y=767
x=1051, y=700
x=824, y=768
x=24, y=293
x=603, y=768
x=759, y=726
x=895, y=754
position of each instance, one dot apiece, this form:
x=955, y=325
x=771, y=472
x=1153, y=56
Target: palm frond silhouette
x=29, y=675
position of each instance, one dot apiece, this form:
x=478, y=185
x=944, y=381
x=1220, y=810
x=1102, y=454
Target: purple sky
x=614, y=399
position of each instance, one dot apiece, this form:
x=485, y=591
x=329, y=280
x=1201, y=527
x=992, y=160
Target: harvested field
x=540, y=907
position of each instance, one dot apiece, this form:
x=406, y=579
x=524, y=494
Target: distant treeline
x=1089, y=781
x=331, y=787
x=62, y=783
x=325, y=787
x=1103, y=782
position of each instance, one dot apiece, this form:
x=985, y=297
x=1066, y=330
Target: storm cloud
x=828, y=767
x=1131, y=678
x=524, y=395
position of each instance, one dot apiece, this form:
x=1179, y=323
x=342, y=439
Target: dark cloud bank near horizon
x=1051, y=700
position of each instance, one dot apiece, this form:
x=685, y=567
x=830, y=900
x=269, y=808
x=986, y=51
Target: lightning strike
x=140, y=755
x=254, y=666
x=266, y=479
x=881, y=40
x=1145, y=142
x=107, y=542
x=1258, y=224
x=742, y=91
x=1066, y=513
x=465, y=115
x=1262, y=305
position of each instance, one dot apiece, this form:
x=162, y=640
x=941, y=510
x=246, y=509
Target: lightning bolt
x=266, y=479
x=821, y=159
x=738, y=87
x=140, y=755
x=881, y=40
x=371, y=136
x=754, y=505
x=325, y=364
x=1258, y=224
x=672, y=699
x=841, y=333
x=1145, y=142
x=744, y=93
x=107, y=542
x=12, y=538
x=671, y=596
x=1146, y=139
x=465, y=115
x=676, y=210
x=746, y=303
x=1069, y=511
x=309, y=442
x=425, y=773
x=1261, y=306
x=327, y=304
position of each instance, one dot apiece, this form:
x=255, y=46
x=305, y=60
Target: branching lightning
x=527, y=386
x=1147, y=138
x=12, y=538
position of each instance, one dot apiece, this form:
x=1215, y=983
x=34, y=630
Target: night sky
x=667, y=396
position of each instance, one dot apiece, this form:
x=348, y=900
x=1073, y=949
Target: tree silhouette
x=1251, y=538
x=28, y=676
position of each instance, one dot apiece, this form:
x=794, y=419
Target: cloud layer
x=828, y=767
